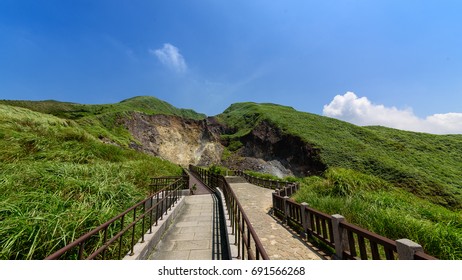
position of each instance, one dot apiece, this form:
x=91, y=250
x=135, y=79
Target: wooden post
x=407, y=248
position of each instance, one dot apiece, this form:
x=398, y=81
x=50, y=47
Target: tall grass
x=371, y=203
x=58, y=182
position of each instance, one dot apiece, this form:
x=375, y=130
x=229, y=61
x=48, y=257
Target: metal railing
x=248, y=244
x=116, y=237
x=220, y=242
x=267, y=183
x=158, y=183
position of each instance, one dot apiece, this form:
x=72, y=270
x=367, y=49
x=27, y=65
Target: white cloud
x=170, y=56
x=361, y=111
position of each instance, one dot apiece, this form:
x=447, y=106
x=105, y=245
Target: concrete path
x=200, y=188
x=190, y=235
x=279, y=242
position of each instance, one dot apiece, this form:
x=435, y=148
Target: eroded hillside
x=179, y=140
x=267, y=149
x=201, y=142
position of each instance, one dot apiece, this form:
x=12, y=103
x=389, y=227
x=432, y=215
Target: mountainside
x=273, y=139
x=395, y=183
x=424, y=164
x=179, y=140
x=57, y=181
x=104, y=121
x=145, y=104
x=73, y=159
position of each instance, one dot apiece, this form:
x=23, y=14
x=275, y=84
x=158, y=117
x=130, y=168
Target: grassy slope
x=427, y=165
x=103, y=120
x=57, y=181
x=392, y=182
x=145, y=104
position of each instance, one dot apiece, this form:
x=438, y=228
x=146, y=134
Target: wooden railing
x=245, y=238
x=349, y=241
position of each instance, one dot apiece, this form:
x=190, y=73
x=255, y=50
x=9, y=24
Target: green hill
x=74, y=111
x=62, y=160
x=103, y=121
x=57, y=181
x=425, y=164
x=397, y=183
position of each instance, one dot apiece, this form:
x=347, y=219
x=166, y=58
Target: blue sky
x=359, y=61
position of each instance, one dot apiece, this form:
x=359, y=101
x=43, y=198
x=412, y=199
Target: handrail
x=241, y=226
x=419, y=255
x=158, y=204
x=312, y=222
x=281, y=187
x=220, y=248
x=158, y=183
x=375, y=243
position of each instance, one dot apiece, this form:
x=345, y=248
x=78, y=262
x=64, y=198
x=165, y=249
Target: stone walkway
x=278, y=241
x=190, y=235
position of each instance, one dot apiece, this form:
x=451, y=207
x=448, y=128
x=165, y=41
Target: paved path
x=190, y=235
x=278, y=241
x=200, y=188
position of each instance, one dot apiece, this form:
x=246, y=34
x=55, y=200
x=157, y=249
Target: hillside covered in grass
x=104, y=120
x=424, y=164
x=396, y=183
x=66, y=168
x=57, y=181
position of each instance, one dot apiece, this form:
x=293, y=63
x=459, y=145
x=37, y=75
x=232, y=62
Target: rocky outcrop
x=267, y=149
x=183, y=141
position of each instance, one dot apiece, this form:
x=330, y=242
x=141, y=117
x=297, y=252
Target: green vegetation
x=144, y=104
x=104, y=121
x=372, y=203
x=217, y=170
x=271, y=177
x=396, y=183
x=427, y=165
x=59, y=177
x=57, y=181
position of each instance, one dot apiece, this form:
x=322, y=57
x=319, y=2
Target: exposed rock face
x=266, y=149
x=182, y=141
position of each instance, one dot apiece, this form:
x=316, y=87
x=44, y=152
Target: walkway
x=190, y=235
x=278, y=241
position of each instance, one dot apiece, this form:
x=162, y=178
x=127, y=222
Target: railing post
x=407, y=248
x=286, y=210
x=305, y=220
x=338, y=235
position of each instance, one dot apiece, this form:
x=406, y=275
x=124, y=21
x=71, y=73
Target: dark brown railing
x=283, y=186
x=116, y=237
x=159, y=183
x=348, y=240
x=248, y=244
x=318, y=223
x=370, y=245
